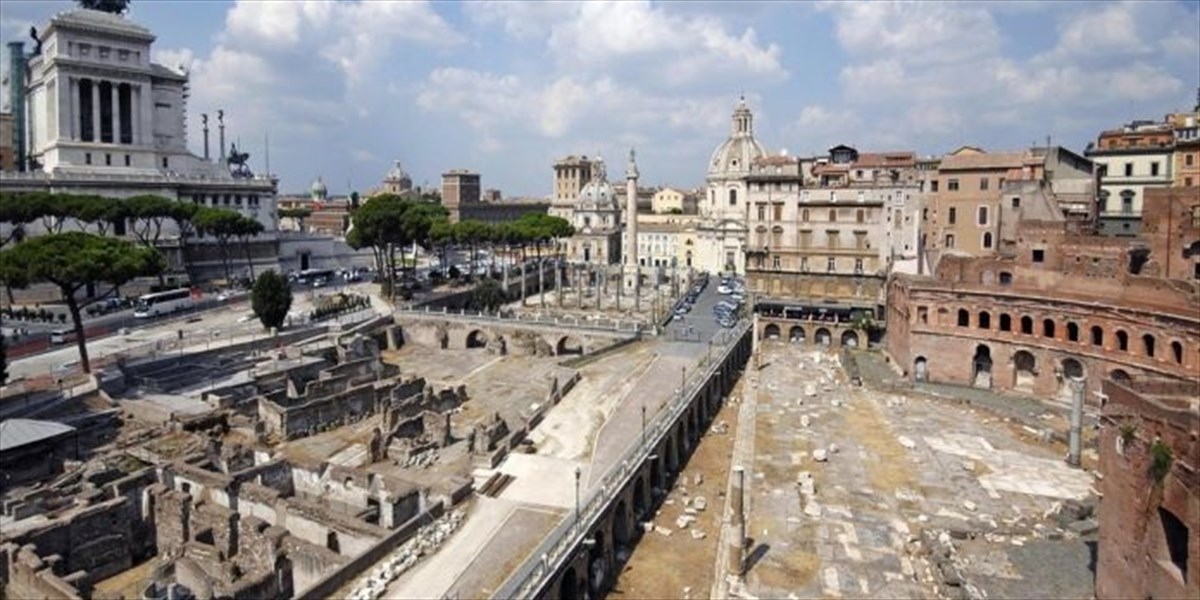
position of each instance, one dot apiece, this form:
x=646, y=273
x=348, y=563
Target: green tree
x=72, y=261
x=3, y=360
x=116, y=7
x=488, y=295
x=387, y=223
x=222, y=224
x=471, y=234
x=246, y=228
x=441, y=236
x=271, y=299
x=184, y=214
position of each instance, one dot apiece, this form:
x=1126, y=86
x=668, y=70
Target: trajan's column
x=632, y=278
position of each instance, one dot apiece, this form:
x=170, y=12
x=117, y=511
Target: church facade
x=722, y=232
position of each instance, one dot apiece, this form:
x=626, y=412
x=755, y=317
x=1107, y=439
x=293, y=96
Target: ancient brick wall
x=1142, y=516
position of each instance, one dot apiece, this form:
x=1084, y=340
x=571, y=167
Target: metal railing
x=559, y=545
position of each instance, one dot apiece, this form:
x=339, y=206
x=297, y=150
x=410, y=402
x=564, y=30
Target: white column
x=76, y=126
x=116, y=113
x=95, y=110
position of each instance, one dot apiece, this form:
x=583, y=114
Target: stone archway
x=920, y=369
x=640, y=506
x=568, y=586
x=981, y=367
x=849, y=339
x=477, y=339
x=771, y=331
x=598, y=564
x=1024, y=370
x=823, y=337
x=621, y=531
x=796, y=335
x=568, y=344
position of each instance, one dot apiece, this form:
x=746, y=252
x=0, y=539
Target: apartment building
x=1131, y=159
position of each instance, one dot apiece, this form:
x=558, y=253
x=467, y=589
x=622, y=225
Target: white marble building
x=596, y=217
x=102, y=118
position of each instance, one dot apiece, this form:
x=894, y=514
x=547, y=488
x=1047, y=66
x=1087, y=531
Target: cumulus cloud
x=932, y=73
x=650, y=43
x=563, y=106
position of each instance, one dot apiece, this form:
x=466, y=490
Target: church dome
x=318, y=189
x=598, y=192
x=396, y=173
x=740, y=150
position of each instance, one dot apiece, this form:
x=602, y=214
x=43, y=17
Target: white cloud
x=640, y=40
x=564, y=107
x=1109, y=32
x=930, y=73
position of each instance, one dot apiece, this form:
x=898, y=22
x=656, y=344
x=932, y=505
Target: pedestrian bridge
x=579, y=557
x=540, y=336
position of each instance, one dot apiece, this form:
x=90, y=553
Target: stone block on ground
x=700, y=503
x=820, y=455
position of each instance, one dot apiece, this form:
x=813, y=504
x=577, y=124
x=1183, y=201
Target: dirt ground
x=679, y=565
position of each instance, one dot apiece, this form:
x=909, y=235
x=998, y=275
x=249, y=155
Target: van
x=61, y=336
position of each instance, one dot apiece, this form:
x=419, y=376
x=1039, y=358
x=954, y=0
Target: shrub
x=1160, y=460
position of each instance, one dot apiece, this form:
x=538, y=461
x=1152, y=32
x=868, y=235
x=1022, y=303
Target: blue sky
x=504, y=88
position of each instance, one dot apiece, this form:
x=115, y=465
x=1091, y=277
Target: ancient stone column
x=737, y=522
x=599, y=280
x=542, y=283
x=522, y=283
x=1076, y=422
x=558, y=287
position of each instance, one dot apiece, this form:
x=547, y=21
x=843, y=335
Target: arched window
x=985, y=320
x=964, y=317
x=1005, y=322
x=987, y=240
x=1072, y=332
x=1097, y=336
x=1177, y=352
x=1048, y=328
x=1005, y=278
x=1122, y=340
x=733, y=197
x=1027, y=325
x=1148, y=345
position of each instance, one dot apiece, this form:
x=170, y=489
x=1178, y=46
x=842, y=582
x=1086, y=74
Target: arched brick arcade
x=1035, y=347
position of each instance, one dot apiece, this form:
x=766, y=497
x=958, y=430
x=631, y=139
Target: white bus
x=152, y=305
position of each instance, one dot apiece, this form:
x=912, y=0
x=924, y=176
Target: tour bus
x=313, y=276
x=161, y=303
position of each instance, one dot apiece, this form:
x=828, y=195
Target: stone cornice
x=76, y=68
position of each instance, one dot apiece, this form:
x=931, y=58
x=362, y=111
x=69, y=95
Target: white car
x=724, y=289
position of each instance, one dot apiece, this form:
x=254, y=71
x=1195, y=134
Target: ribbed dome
x=597, y=192
x=739, y=151
x=396, y=172
x=318, y=188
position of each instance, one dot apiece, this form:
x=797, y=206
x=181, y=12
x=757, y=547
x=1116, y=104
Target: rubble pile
x=425, y=542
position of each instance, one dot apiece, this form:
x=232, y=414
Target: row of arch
x=602, y=555
x=1074, y=333
x=566, y=345
x=821, y=337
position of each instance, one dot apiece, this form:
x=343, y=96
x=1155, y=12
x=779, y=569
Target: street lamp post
x=578, y=472
x=643, y=424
